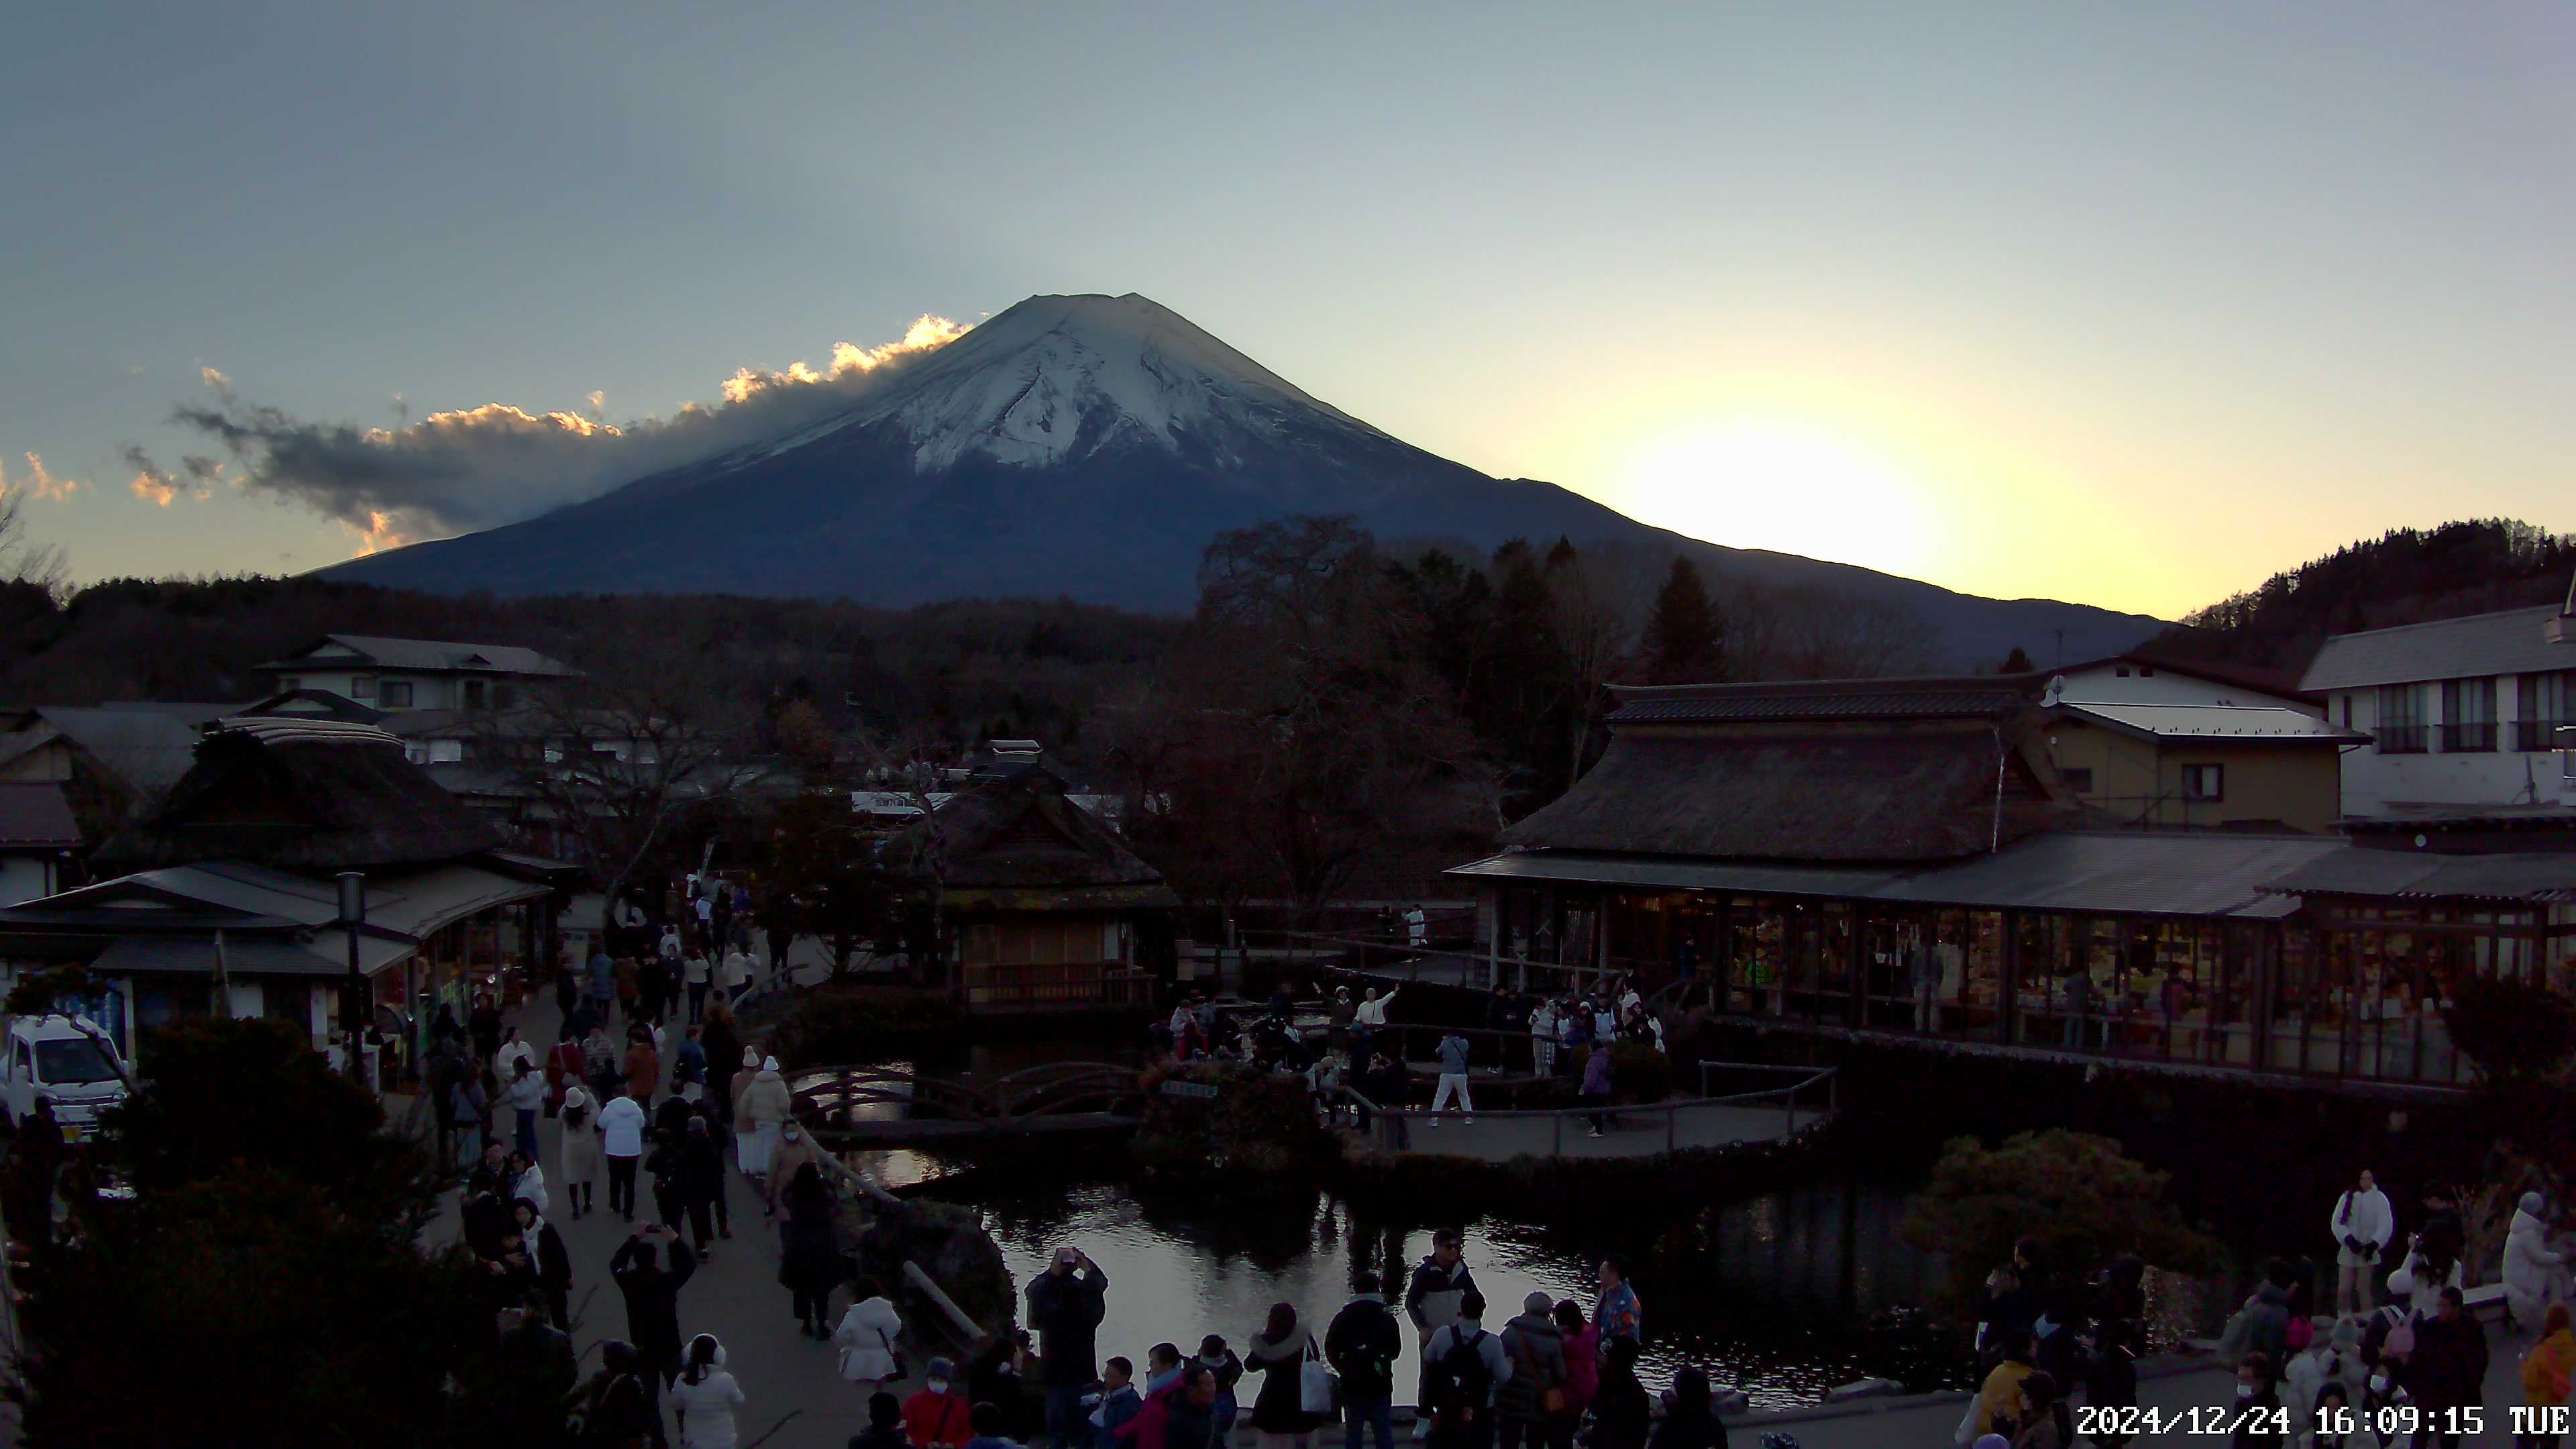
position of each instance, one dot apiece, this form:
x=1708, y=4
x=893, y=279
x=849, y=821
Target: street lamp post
x=353, y=992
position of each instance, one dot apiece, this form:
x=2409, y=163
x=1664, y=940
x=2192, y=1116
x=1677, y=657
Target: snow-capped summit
x=1088, y=447
x=1056, y=378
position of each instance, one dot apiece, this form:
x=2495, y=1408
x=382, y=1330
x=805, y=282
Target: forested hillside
x=2404, y=576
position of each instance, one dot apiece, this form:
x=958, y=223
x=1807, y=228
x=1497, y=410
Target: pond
x=1781, y=1294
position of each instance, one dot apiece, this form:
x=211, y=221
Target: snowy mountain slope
x=1086, y=446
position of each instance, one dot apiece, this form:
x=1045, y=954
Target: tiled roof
x=2511, y=642
x=1965, y=697
x=2534, y=876
x=424, y=655
x=2144, y=872
x=2219, y=722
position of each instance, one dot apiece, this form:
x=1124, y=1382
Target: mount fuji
x=1091, y=447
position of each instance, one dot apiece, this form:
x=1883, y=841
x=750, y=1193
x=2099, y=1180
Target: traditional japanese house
x=1047, y=907
x=1896, y=858
x=224, y=898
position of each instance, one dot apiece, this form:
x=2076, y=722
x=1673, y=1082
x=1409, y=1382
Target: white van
x=67, y=1060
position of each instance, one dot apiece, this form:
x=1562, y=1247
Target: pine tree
x=1684, y=643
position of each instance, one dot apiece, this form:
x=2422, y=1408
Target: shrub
x=1259, y=1122
x=2075, y=1192
x=2511, y=1030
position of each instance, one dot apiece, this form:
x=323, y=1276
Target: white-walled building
x=2466, y=716
x=394, y=675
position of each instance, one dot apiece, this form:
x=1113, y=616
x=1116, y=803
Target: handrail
x=1407, y=949
x=1670, y=1104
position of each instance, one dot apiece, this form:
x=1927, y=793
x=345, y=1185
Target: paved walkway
x=735, y=1296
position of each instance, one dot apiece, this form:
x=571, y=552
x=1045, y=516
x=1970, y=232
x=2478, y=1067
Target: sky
x=2126, y=305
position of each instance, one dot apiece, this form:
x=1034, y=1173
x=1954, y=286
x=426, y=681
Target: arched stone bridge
x=846, y=1106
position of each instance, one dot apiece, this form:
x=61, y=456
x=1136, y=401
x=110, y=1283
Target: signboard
x=1200, y=1090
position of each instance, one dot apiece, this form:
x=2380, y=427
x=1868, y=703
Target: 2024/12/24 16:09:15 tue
x=2386, y=1419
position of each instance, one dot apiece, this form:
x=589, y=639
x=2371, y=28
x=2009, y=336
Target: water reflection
x=1775, y=1294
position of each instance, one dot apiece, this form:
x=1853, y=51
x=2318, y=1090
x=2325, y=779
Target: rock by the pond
x=1863, y=1389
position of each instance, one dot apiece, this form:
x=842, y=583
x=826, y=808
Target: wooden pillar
x=2008, y=981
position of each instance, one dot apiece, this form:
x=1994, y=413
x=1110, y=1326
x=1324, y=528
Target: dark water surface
x=1781, y=1294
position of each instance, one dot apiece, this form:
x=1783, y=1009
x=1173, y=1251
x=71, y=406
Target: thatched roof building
x=1839, y=771
x=302, y=796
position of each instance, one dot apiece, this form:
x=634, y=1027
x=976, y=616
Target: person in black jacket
x=701, y=1179
x=662, y=1161
x=1689, y=1420
x=1362, y=1345
x=652, y=1294
x=1619, y=1411
x=1066, y=1304
x=618, y=1408
x=2111, y=1375
x=2449, y=1366
x=553, y=1264
x=484, y=1217
x=537, y=1369
x=810, y=1243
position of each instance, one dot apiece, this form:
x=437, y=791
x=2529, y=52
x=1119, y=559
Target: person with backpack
x=1362, y=1344
x=1439, y=1284
x=1467, y=1368
x=1533, y=1401
x=613, y=1410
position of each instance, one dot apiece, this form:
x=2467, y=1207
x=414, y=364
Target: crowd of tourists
x=1356, y=1047
x=1538, y=1378
x=2355, y=1373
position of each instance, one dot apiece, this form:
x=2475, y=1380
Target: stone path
x=735, y=1296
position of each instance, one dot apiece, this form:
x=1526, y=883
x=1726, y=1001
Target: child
x=1117, y=1401
x=1228, y=1369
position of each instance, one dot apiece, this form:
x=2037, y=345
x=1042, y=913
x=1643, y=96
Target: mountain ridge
x=1091, y=446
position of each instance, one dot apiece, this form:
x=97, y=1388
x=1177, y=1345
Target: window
x=394, y=694
x=2468, y=715
x=2204, y=782
x=2548, y=701
x=2344, y=701
x=504, y=696
x=474, y=693
x=362, y=686
x=72, y=1061
x=2079, y=779
x=288, y=684
x=446, y=752
x=2401, y=719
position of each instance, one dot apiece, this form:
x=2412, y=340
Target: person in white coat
x=866, y=1337
x=2530, y=1268
x=706, y=1396
x=2361, y=1226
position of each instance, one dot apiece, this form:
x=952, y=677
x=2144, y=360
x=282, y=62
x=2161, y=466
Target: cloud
x=196, y=477
x=43, y=485
x=462, y=470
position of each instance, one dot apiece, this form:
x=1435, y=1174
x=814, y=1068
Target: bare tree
x=619, y=753
x=23, y=561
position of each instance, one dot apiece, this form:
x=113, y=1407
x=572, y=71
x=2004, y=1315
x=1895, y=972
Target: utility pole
x=353, y=991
